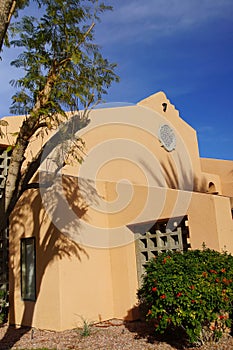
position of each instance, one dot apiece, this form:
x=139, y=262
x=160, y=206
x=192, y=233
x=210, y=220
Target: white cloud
x=206, y=129
x=135, y=19
x=186, y=11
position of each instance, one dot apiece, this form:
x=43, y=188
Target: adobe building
x=79, y=243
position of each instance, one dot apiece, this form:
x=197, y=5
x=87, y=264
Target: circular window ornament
x=167, y=137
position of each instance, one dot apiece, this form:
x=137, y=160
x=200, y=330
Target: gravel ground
x=111, y=335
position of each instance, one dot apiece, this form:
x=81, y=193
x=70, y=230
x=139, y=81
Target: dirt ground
x=110, y=335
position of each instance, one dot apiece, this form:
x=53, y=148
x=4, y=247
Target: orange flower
x=153, y=289
x=192, y=287
x=204, y=274
x=223, y=270
x=164, y=261
x=163, y=296
x=226, y=281
x=178, y=294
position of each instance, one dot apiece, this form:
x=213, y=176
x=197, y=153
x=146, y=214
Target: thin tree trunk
x=28, y=128
x=7, y=8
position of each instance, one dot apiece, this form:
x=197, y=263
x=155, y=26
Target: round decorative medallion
x=167, y=137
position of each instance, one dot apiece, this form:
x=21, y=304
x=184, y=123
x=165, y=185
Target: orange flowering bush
x=191, y=290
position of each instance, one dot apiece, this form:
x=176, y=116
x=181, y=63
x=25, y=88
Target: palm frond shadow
x=167, y=176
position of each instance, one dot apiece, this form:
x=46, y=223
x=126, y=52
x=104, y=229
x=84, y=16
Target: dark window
x=28, y=269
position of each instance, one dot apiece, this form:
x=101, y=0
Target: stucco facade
x=141, y=169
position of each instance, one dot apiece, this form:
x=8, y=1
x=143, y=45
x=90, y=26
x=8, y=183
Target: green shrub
x=3, y=306
x=86, y=329
x=191, y=290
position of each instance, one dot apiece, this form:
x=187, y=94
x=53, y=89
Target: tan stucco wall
x=210, y=222
x=186, y=132
x=90, y=293
x=224, y=223
x=86, y=262
x=222, y=168
x=24, y=224
x=73, y=281
x=11, y=129
x=135, y=129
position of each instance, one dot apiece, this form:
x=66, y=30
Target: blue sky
x=183, y=47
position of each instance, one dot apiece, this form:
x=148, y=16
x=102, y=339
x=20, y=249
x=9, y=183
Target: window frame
x=24, y=244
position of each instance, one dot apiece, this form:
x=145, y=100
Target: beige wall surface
x=184, y=130
x=224, y=169
x=224, y=223
x=125, y=142
x=85, y=253
x=124, y=281
x=75, y=281
x=210, y=222
x=11, y=129
x=72, y=281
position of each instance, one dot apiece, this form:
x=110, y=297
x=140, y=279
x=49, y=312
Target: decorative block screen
x=159, y=239
x=4, y=164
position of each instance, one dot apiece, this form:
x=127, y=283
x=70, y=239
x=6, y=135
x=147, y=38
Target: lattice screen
x=4, y=163
x=151, y=243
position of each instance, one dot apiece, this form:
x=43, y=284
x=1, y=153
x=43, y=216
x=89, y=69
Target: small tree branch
x=67, y=59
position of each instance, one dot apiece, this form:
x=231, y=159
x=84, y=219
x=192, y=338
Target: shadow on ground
x=146, y=330
x=13, y=335
x=175, y=338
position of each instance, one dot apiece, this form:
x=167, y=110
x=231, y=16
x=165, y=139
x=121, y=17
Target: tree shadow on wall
x=30, y=219
x=186, y=181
